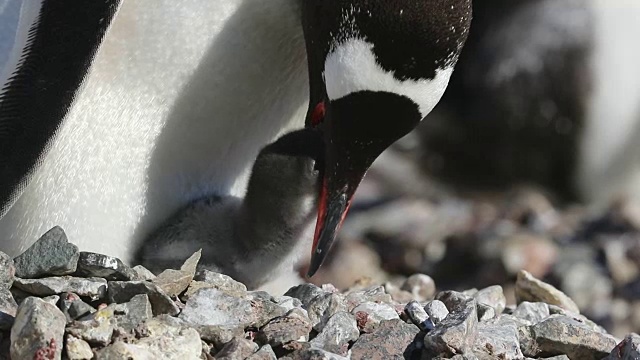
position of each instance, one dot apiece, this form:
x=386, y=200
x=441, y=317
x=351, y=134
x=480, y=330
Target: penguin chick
x=249, y=239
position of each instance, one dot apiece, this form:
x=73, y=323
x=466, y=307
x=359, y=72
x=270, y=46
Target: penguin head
x=376, y=69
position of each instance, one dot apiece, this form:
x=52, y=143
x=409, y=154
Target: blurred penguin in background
x=547, y=92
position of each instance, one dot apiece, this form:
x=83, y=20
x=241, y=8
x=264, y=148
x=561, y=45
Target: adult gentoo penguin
x=108, y=136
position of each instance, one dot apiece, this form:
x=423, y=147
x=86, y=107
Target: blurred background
x=529, y=162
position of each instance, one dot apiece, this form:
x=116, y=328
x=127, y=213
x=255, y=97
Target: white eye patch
x=352, y=67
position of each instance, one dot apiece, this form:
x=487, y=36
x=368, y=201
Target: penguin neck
x=272, y=225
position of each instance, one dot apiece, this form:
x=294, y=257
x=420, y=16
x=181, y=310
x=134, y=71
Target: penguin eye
x=317, y=117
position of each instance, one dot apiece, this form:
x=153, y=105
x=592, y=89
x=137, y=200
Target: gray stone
x=304, y=351
x=52, y=299
x=305, y=293
x=7, y=271
x=457, y=333
x=77, y=349
x=492, y=296
x=38, y=331
x=532, y=312
x=94, y=288
x=485, y=312
x=294, y=326
x=142, y=273
x=164, y=341
x=369, y=315
x=453, y=300
x=376, y=294
x=220, y=281
x=628, y=349
x=97, y=328
x=133, y=313
x=237, y=349
x=323, y=307
x=174, y=282
x=213, y=307
x=73, y=307
x=393, y=339
x=8, y=309
x=415, y=312
x=264, y=353
x=528, y=288
x=436, y=310
x=337, y=333
x=52, y=254
x=265, y=308
x=421, y=286
x=103, y=266
x=496, y=340
x=123, y=291
x=219, y=335
x=288, y=303
x=556, y=310
x=559, y=335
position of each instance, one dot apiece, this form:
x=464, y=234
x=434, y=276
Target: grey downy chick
x=249, y=239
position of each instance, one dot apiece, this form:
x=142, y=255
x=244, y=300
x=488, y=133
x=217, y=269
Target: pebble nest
x=59, y=302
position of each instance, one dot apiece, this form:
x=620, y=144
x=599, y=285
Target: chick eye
x=317, y=117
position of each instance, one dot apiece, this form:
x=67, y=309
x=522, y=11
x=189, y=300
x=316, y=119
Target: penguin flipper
x=55, y=44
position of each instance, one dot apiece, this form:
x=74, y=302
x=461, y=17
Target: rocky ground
x=58, y=302
x=510, y=276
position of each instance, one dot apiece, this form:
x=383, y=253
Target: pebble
x=143, y=273
x=123, y=291
x=264, y=353
x=97, y=328
x=421, y=286
x=77, y=349
x=436, y=310
x=393, y=339
x=220, y=281
x=237, y=349
x=418, y=316
x=340, y=330
x=304, y=351
x=8, y=309
x=532, y=312
x=173, y=282
x=52, y=254
x=213, y=307
x=457, y=333
x=560, y=334
x=38, y=331
x=497, y=340
x=627, y=349
x=93, y=288
x=370, y=314
x=485, y=312
x=103, y=266
x=323, y=307
x=305, y=293
x=73, y=307
x=294, y=326
x=531, y=289
x=163, y=341
x=7, y=271
x=492, y=296
x=133, y=313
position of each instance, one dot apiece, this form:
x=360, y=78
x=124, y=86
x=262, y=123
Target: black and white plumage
x=180, y=96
